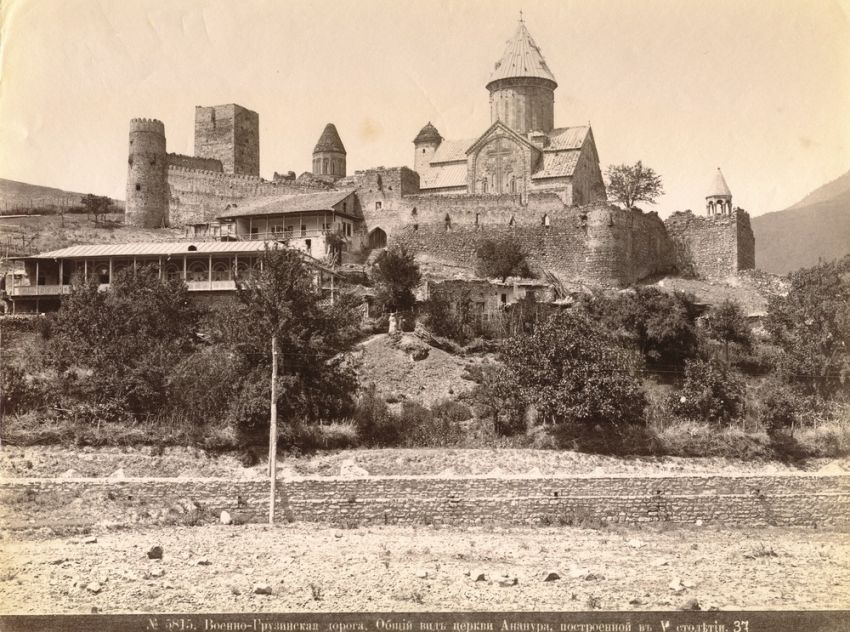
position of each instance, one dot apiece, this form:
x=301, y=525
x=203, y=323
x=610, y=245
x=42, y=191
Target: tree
x=311, y=333
x=96, y=205
x=574, y=373
x=660, y=325
x=812, y=326
x=710, y=392
x=396, y=274
x=629, y=184
x=501, y=259
x=726, y=323
x=125, y=341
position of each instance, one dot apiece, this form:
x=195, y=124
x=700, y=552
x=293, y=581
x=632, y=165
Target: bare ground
x=314, y=568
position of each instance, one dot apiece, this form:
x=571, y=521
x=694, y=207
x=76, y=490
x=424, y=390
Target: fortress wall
x=711, y=246
x=199, y=196
x=599, y=244
x=193, y=162
x=782, y=500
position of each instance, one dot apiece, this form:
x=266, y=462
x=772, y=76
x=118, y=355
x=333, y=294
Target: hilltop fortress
x=522, y=178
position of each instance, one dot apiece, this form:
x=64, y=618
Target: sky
x=760, y=88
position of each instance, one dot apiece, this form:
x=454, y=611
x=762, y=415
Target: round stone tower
x=329, y=154
x=426, y=143
x=719, y=198
x=147, y=175
x=522, y=88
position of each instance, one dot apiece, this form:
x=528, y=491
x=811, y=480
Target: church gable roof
x=498, y=126
x=452, y=151
x=522, y=58
x=329, y=141
x=443, y=176
x=563, y=138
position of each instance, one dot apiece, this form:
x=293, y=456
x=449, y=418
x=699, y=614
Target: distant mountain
x=22, y=196
x=816, y=227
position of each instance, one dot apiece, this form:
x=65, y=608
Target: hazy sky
x=760, y=88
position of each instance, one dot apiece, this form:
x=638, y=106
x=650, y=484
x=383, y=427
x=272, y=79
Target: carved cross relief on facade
x=498, y=167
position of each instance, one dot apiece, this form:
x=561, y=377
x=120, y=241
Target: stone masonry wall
x=712, y=247
x=199, y=196
x=782, y=500
x=193, y=162
x=231, y=134
x=600, y=244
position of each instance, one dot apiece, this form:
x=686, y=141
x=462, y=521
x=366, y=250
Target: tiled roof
x=324, y=201
x=452, y=150
x=329, y=140
x=428, y=133
x=557, y=164
x=718, y=187
x=567, y=138
x=438, y=177
x=522, y=58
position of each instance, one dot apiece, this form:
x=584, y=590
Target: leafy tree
x=660, y=325
x=812, y=326
x=710, y=392
x=450, y=315
x=573, y=372
x=96, y=205
x=726, y=323
x=396, y=274
x=630, y=184
x=501, y=259
x=312, y=332
x=125, y=340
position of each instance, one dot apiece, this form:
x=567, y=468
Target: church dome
x=329, y=141
x=522, y=58
x=428, y=134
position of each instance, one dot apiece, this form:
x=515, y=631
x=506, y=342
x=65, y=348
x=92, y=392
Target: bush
x=501, y=259
x=711, y=392
x=778, y=407
x=376, y=426
x=18, y=392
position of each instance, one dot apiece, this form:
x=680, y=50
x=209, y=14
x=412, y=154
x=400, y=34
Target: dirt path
x=312, y=568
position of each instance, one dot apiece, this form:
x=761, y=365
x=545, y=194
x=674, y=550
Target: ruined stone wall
x=231, y=134
x=714, y=246
x=199, y=196
x=782, y=500
x=193, y=162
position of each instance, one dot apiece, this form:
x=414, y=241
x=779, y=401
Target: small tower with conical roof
x=718, y=201
x=329, y=154
x=522, y=88
x=426, y=143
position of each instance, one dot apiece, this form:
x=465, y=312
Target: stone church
x=522, y=151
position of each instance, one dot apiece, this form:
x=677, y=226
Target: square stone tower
x=229, y=133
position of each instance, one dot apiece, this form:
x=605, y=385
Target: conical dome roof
x=329, y=141
x=428, y=134
x=522, y=58
x=718, y=187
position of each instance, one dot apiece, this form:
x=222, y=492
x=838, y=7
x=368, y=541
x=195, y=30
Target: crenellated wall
x=714, y=246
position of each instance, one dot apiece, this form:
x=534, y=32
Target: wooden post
x=185, y=278
x=273, y=433
x=209, y=272
x=86, y=270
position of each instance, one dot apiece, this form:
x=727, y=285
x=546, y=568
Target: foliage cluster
x=502, y=258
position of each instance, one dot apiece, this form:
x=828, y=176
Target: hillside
x=22, y=196
x=816, y=227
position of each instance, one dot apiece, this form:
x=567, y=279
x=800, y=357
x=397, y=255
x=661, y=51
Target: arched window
x=546, y=220
x=324, y=166
x=221, y=271
x=197, y=271
x=484, y=185
x=513, y=184
x=413, y=212
x=512, y=222
x=333, y=167
x=173, y=271
x=477, y=218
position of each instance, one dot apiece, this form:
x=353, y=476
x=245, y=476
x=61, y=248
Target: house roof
x=323, y=201
x=164, y=249
x=329, y=141
x=428, y=134
x=522, y=58
x=718, y=187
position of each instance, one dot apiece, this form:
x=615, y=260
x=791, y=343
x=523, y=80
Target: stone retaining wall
x=785, y=500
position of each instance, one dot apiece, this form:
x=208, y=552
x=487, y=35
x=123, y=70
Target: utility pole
x=273, y=433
